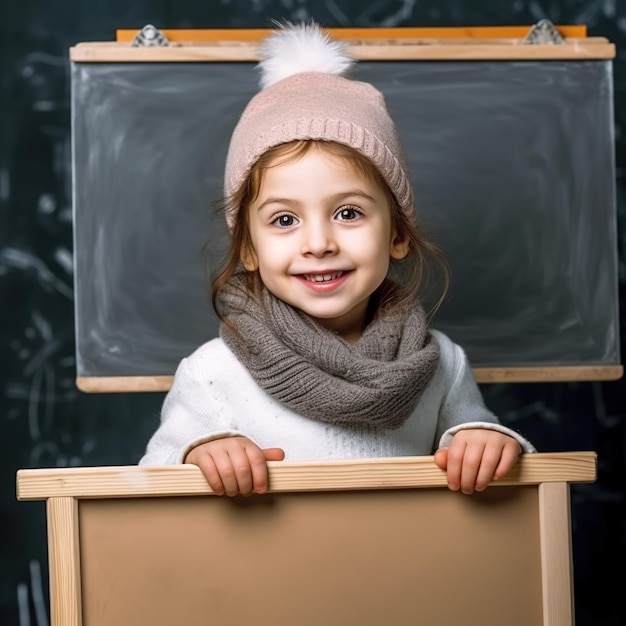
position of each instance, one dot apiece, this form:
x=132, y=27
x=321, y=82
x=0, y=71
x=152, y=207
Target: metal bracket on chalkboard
x=544, y=32
x=150, y=36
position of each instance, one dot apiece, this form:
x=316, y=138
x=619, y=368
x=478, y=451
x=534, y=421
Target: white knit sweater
x=214, y=396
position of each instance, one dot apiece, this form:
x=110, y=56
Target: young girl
x=324, y=352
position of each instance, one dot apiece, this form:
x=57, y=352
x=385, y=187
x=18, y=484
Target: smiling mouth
x=322, y=278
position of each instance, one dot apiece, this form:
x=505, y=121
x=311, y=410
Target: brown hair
x=408, y=275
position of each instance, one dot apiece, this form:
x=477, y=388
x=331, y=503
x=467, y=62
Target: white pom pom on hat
x=304, y=48
x=306, y=97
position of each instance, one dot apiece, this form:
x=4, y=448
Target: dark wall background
x=45, y=421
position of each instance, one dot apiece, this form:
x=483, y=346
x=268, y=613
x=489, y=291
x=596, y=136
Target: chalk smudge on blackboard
x=27, y=261
x=36, y=596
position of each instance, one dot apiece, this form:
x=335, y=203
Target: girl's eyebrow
x=353, y=193
x=339, y=197
x=272, y=200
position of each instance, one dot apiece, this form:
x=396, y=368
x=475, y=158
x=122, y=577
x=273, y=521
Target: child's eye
x=284, y=221
x=349, y=213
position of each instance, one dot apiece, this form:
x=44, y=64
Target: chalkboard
x=512, y=164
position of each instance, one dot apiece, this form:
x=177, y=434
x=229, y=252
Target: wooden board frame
x=547, y=475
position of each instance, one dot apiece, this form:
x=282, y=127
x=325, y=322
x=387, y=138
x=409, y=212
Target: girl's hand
x=477, y=456
x=234, y=465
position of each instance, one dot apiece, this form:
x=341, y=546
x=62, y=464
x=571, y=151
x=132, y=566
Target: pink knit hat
x=304, y=96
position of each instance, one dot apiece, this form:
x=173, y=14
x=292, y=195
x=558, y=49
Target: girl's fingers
x=274, y=454
x=258, y=481
x=441, y=458
x=240, y=473
x=226, y=470
x=234, y=465
x=212, y=475
x=491, y=458
x=471, y=465
x=454, y=466
x=508, y=458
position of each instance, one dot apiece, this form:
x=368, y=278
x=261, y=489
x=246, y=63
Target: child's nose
x=318, y=240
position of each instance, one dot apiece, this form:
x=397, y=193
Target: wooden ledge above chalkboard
x=380, y=44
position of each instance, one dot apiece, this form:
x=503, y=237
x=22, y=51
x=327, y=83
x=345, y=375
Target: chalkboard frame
x=408, y=49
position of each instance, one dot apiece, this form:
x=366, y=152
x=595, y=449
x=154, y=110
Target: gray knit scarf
x=377, y=381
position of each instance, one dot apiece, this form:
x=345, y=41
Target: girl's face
x=322, y=238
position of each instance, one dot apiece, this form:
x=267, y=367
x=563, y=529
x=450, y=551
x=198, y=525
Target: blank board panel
x=513, y=169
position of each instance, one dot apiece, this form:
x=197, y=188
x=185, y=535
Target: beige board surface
x=369, y=558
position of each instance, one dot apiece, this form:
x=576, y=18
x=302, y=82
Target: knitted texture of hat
x=313, y=101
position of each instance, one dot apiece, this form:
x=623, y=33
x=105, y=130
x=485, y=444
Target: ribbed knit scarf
x=377, y=381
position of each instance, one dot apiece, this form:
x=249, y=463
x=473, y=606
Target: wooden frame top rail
x=387, y=473
x=370, y=50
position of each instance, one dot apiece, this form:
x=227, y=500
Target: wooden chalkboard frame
x=410, y=44
x=362, y=50
x=116, y=491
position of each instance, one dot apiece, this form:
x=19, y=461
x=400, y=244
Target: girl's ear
x=249, y=259
x=399, y=246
